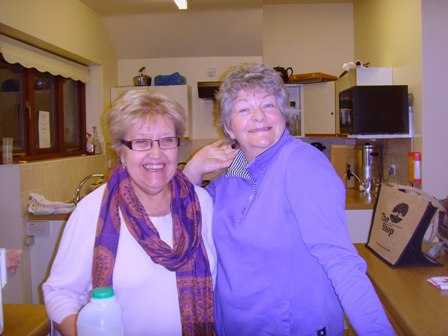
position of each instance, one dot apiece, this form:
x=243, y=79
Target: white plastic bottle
x=101, y=316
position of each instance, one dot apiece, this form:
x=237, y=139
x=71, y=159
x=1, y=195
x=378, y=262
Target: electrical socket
x=392, y=170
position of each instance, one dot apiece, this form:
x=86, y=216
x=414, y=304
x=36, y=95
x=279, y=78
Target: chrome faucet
x=77, y=195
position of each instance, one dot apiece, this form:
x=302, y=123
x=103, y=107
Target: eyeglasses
x=146, y=144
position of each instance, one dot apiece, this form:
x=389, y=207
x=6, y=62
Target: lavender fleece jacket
x=286, y=265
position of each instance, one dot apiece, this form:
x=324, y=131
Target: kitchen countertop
x=413, y=306
x=25, y=320
x=356, y=200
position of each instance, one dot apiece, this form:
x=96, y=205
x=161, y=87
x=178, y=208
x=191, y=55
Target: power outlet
x=392, y=170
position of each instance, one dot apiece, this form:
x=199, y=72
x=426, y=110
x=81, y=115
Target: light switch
x=211, y=72
x=38, y=228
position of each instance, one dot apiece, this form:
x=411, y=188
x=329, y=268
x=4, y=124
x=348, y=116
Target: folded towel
x=40, y=206
x=173, y=79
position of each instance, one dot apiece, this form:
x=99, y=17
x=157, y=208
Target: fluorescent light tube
x=181, y=4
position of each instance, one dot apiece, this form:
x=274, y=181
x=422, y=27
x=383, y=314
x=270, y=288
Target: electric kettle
x=142, y=79
x=368, y=167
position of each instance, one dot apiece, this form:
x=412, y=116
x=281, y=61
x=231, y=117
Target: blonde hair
x=135, y=106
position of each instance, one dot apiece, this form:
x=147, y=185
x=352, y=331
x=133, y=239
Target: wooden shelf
x=64, y=217
x=312, y=77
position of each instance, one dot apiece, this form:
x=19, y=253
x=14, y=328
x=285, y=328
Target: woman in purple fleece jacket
x=286, y=265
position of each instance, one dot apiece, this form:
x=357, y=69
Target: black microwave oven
x=374, y=109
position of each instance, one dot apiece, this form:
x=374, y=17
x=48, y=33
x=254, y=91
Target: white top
x=146, y=292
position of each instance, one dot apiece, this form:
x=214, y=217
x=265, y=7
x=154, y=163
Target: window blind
x=29, y=56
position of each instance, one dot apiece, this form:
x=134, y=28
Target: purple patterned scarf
x=188, y=257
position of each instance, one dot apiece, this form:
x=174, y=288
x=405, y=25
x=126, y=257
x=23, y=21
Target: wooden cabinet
x=180, y=93
x=296, y=103
x=319, y=107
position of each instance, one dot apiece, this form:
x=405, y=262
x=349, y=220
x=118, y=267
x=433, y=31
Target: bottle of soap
x=90, y=148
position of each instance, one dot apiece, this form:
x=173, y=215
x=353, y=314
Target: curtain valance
x=29, y=56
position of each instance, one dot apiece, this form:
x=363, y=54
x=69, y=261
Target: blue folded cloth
x=173, y=79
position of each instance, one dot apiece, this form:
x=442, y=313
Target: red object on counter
x=414, y=168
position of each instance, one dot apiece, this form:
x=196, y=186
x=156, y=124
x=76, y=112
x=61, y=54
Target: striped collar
x=238, y=166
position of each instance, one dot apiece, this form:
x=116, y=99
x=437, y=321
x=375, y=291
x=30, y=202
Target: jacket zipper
x=251, y=198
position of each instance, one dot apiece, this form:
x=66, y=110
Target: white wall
x=434, y=97
x=308, y=37
x=287, y=41
x=195, y=69
x=191, y=33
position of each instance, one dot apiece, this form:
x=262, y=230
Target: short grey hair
x=135, y=106
x=251, y=77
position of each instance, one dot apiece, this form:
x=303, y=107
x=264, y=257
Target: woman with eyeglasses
x=146, y=233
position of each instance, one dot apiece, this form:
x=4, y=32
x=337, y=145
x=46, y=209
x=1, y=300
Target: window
x=43, y=113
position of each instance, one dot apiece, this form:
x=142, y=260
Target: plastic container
x=101, y=316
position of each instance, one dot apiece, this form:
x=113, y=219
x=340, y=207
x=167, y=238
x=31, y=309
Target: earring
x=234, y=143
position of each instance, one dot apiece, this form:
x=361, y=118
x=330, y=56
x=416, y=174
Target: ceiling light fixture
x=181, y=4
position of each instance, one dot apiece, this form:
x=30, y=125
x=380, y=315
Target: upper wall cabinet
x=296, y=126
x=319, y=107
x=318, y=102
x=179, y=93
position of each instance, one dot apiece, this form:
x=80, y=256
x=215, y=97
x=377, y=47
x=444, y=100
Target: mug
x=7, y=148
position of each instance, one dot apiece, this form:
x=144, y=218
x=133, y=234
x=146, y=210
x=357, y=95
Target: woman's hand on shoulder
x=209, y=159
